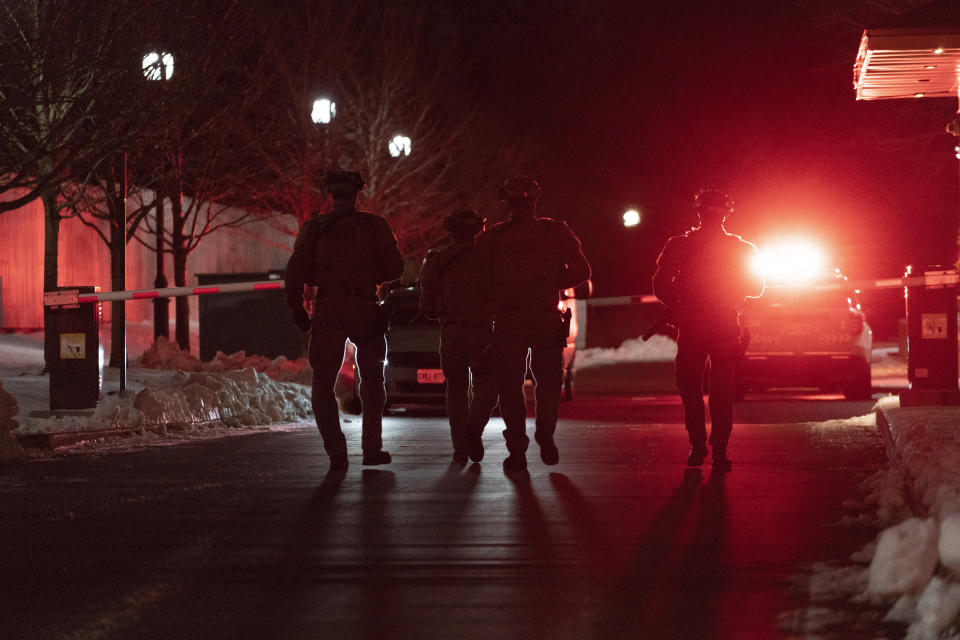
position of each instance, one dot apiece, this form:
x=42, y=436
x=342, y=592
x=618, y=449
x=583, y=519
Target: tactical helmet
x=713, y=198
x=343, y=182
x=519, y=188
x=464, y=220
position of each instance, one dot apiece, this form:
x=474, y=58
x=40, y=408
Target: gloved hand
x=301, y=319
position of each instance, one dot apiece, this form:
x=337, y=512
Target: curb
x=893, y=454
x=51, y=441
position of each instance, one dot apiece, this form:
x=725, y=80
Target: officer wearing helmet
x=345, y=254
x=702, y=277
x=451, y=291
x=528, y=261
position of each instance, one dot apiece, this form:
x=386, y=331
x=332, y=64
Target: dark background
x=642, y=104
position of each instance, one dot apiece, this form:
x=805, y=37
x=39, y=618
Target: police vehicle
x=413, y=373
x=807, y=330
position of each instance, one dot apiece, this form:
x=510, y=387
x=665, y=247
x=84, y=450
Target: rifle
x=666, y=320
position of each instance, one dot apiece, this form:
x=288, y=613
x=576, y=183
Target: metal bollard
x=932, y=339
x=73, y=351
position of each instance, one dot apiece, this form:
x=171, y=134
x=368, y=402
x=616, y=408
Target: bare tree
x=198, y=159
x=101, y=205
x=391, y=71
x=59, y=61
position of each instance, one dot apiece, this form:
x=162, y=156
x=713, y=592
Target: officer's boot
x=475, y=443
x=721, y=463
x=548, y=450
x=698, y=451
x=376, y=457
x=338, y=462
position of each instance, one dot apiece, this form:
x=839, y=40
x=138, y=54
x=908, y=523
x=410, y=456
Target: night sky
x=640, y=105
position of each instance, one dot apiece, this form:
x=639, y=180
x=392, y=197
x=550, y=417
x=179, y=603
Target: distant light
x=399, y=146
x=938, y=50
x=631, y=218
x=158, y=66
x=956, y=152
x=930, y=66
x=790, y=261
x=918, y=95
x=324, y=111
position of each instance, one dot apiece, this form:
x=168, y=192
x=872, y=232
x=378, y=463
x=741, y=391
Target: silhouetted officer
x=702, y=276
x=345, y=254
x=529, y=260
x=451, y=289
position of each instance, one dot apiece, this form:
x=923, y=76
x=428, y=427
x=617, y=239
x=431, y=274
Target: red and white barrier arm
x=930, y=279
x=72, y=296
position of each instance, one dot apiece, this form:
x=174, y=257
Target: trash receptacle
x=932, y=338
x=73, y=352
x=257, y=322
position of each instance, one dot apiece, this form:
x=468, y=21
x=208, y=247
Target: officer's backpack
x=344, y=248
x=525, y=261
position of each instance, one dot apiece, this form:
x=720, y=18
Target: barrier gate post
x=73, y=352
x=932, y=339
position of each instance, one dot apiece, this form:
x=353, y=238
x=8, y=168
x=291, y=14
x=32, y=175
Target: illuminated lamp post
x=158, y=66
x=399, y=146
x=323, y=113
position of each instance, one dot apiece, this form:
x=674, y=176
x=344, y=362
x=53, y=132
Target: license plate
x=797, y=329
x=430, y=376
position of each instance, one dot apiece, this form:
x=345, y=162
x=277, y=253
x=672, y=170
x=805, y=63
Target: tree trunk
x=118, y=282
x=179, y=249
x=51, y=240
x=182, y=302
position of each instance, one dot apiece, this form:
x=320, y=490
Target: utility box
x=73, y=352
x=258, y=322
x=932, y=339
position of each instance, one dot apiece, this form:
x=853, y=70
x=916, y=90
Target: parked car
x=413, y=373
x=806, y=336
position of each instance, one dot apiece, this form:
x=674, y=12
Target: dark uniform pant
x=464, y=353
x=694, y=345
x=334, y=321
x=514, y=334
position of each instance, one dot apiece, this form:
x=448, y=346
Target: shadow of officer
x=702, y=277
x=345, y=254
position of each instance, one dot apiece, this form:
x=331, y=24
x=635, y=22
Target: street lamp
x=631, y=218
x=324, y=111
x=158, y=66
x=399, y=146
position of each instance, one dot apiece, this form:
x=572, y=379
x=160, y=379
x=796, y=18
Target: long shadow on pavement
x=638, y=606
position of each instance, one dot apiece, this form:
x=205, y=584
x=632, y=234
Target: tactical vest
x=462, y=298
x=526, y=270
x=345, y=251
x=713, y=270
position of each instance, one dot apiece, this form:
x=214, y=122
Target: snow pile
x=657, y=349
x=164, y=354
x=912, y=570
x=235, y=398
x=9, y=407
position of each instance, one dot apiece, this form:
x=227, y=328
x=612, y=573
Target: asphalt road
x=248, y=537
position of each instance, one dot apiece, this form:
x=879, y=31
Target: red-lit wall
x=85, y=260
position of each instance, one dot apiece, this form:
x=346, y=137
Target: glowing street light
x=399, y=146
x=631, y=218
x=158, y=65
x=324, y=111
